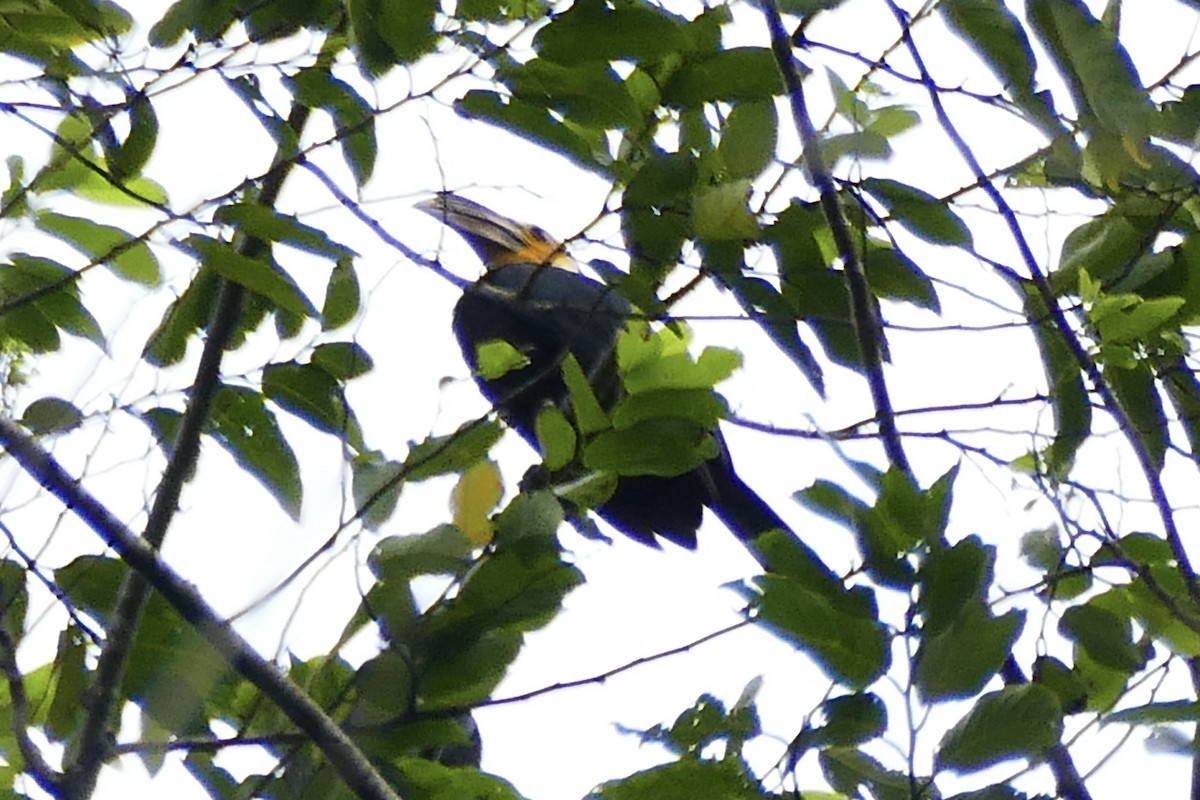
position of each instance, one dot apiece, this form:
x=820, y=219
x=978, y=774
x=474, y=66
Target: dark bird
x=533, y=297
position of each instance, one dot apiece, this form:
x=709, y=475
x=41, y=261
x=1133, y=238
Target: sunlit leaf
x=474, y=497
x=127, y=256
x=259, y=275
x=269, y=225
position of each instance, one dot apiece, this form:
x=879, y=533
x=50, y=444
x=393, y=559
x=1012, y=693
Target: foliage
x=813, y=244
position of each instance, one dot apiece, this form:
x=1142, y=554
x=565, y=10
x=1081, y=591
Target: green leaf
x=920, y=212
x=1127, y=318
x=1144, y=549
x=14, y=598
x=686, y=779
x=420, y=777
x=852, y=719
x=376, y=481
x=128, y=159
x=174, y=673
x=667, y=447
x=206, y=19
x=530, y=514
x=556, y=438
x=354, y=116
x=1014, y=722
x=516, y=589
x=1183, y=390
x=1179, y=120
x=902, y=518
x=1063, y=681
x=1096, y=67
x=186, y=316
x=267, y=22
x=720, y=212
x=128, y=257
x=1069, y=399
x=439, y=455
x=164, y=425
x=589, y=414
x=856, y=146
x=591, y=30
x=764, y=303
x=748, y=139
x=960, y=660
x=246, y=428
x=806, y=8
x=839, y=629
x=589, y=94
x=342, y=297
x=894, y=275
x=849, y=771
x=468, y=674
x=70, y=682
x=502, y=10
x=441, y=551
x=248, y=89
x=40, y=297
x=1042, y=549
x=342, y=360
x=832, y=501
x=1105, y=636
x=389, y=33
x=951, y=580
x=732, y=74
x=313, y=395
x=701, y=406
x=497, y=358
x=269, y=225
x=586, y=146
x=1105, y=246
x=260, y=275
x=1158, y=713
x=383, y=687
x=658, y=366
x=1103, y=685
x=1137, y=392
x=51, y=415
x=994, y=32
x=892, y=121
x=708, y=722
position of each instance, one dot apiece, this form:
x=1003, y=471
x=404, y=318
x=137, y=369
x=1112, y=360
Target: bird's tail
x=746, y=514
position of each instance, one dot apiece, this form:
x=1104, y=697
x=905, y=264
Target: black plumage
x=531, y=298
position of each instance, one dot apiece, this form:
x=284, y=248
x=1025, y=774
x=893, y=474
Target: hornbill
x=532, y=296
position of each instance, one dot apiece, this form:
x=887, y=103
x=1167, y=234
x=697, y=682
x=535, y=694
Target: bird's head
x=497, y=240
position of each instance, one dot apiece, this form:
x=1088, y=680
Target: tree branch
x=354, y=768
x=862, y=307
x=102, y=697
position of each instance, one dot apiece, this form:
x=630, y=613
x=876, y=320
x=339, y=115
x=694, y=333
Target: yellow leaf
x=473, y=499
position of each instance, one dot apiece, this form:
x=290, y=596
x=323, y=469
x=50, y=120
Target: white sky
x=234, y=544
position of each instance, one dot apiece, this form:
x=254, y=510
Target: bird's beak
x=493, y=237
